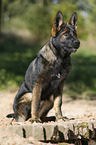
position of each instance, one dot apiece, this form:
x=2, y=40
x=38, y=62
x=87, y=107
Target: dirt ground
x=79, y=109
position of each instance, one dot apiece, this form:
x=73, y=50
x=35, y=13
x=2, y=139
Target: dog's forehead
x=68, y=27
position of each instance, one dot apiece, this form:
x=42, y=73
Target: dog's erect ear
x=73, y=20
x=58, y=21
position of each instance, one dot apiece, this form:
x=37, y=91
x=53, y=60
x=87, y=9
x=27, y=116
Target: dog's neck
x=55, y=50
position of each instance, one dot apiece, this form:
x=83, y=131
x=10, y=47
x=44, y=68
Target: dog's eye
x=66, y=34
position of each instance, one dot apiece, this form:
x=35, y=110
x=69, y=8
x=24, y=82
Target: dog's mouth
x=74, y=49
x=75, y=46
x=70, y=49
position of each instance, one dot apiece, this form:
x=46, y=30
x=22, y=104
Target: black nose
x=77, y=43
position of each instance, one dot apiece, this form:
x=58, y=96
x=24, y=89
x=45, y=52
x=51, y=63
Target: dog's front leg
x=57, y=106
x=36, y=102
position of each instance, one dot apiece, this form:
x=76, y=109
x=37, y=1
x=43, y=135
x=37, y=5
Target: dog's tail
x=12, y=115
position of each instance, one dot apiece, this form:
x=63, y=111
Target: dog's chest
x=54, y=77
x=57, y=73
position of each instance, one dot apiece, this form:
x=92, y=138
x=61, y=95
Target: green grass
x=16, y=54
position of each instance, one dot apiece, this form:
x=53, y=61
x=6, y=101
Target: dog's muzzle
x=76, y=44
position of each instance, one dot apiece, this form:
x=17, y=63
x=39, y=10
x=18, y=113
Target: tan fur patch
x=53, y=31
x=47, y=53
x=26, y=98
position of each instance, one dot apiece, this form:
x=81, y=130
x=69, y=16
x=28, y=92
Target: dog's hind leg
x=23, y=108
x=22, y=104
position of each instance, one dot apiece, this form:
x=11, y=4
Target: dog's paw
x=62, y=118
x=36, y=121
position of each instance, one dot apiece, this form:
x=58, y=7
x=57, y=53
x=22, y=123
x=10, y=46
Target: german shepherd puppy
x=46, y=74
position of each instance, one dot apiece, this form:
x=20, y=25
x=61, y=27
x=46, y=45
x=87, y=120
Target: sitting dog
x=46, y=74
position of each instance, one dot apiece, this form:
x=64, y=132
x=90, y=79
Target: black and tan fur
x=46, y=75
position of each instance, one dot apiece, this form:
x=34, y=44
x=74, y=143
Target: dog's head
x=65, y=35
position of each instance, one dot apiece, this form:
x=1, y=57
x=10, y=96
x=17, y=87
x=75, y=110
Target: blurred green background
x=25, y=26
